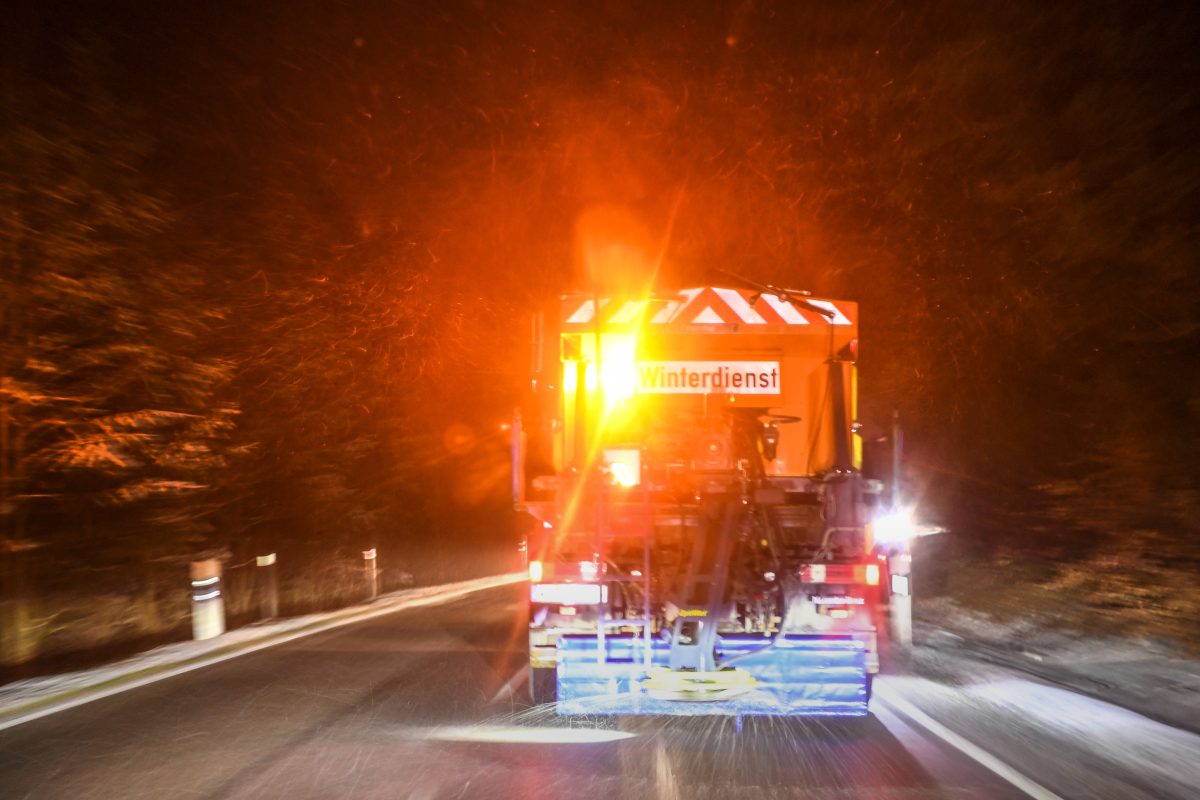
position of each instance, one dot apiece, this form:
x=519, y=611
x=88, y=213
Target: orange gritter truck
x=702, y=539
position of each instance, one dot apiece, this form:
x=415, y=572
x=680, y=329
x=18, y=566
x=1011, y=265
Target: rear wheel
x=543, y=685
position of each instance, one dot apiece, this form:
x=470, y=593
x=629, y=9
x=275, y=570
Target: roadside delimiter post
x=372, y=573
x=900, y=602
x=268, y=607
x=208, y=606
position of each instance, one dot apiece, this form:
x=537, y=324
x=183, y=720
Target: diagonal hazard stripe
x=838, y=317
x=785, y=310
x=740, y=306
x=707, y=306
x=628, y=312
x=586, y=311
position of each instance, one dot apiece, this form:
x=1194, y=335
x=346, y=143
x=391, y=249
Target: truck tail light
x=535, y=571
x=587, y=570
x=869, y=574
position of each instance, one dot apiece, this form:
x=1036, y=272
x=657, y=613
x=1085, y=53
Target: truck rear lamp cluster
x=841, y=573
x=623, y=466
x=588, y=571
x=567, y=594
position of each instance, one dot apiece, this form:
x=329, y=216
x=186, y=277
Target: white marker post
x=372, y=571
x=268, y=606
x=208, y=606
x=900, y=601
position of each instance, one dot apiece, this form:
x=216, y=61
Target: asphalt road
x=428, y=703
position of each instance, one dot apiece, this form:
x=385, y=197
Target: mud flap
x=797, y=676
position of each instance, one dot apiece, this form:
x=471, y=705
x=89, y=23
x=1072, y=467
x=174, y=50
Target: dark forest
x=267, y=269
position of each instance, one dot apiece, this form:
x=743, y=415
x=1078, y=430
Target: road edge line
x=137, y=677
x=510, y=686
x=967, y=748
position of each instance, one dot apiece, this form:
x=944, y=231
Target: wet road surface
x=428, y=703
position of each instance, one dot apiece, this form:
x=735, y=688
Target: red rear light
x=872, y=574
x=535, y=571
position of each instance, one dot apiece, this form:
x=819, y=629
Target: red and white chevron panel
x=708, y=306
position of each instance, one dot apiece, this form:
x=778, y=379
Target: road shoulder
x=25, y=700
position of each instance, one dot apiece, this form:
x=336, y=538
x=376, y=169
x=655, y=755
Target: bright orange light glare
x=624, y=466
x=610, y=377
x=535, y=571
x=623, y=475
x=618, y=367
x=872, y=574
x=615, y=247
x=618, y=372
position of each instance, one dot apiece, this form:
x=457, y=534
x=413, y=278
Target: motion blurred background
x=267, y=273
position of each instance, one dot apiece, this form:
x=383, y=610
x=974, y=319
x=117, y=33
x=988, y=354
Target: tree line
x=261, y=265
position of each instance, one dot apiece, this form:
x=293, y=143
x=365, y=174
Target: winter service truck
x=702, y=539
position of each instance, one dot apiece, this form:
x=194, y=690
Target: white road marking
x=519, y=734
x=507, y=690
x=664, y=774
x=882, y=693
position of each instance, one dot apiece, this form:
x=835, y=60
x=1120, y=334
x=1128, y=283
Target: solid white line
x=459, y=590
x=511, y=685
x=974, y=752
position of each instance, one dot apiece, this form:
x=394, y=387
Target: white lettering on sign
x=709, y=377
x=823, y=600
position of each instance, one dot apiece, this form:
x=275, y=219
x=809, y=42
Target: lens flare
x=896, y=527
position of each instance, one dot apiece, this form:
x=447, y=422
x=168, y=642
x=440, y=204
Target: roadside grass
x=1133, y=586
